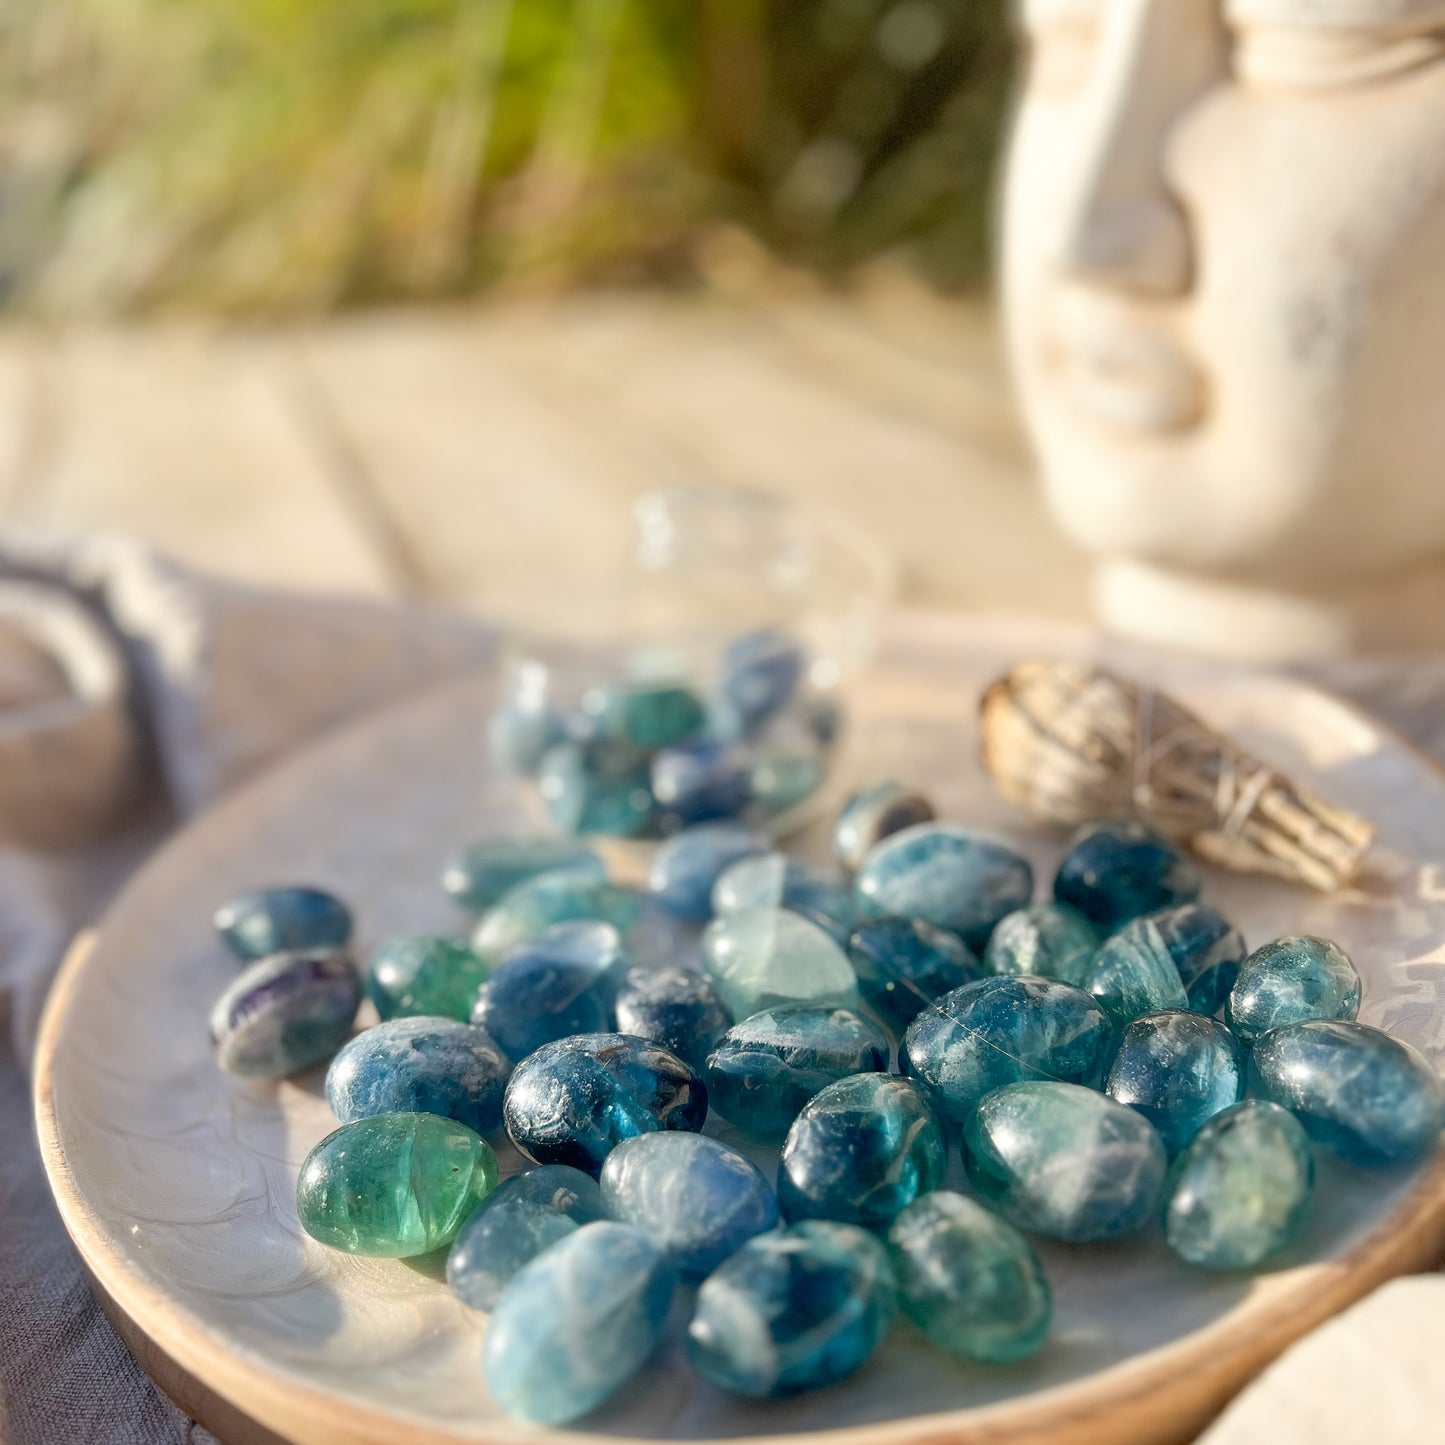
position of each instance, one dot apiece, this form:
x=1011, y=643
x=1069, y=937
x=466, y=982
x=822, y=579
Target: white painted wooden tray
x=177, y=1184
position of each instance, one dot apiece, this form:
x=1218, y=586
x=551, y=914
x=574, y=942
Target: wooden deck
x=459, y=455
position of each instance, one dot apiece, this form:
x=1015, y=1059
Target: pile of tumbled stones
x=1074, y=1047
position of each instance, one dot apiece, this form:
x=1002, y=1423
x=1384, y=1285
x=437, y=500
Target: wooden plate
x=177, y=1184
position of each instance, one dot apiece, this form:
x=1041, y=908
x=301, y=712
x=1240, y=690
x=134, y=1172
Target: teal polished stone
x=873, y=814
x=283, y=920
x=999, y=1031
x=697, y=1199
x=785, y=774
x=645, y=715
x=676, y=1007
x=903, y=964
x=1207, y=950
x=394, y=1185
x=284, y=1013
x=861, y=1150
x=686, y=867
x=794, y=1309
x=1241, y=1191
x=969, y=1280
x=1115, y=871
x=773, y=880
x=597, y=786
x=576, y=1323
x=1289, y=981
x=946, y=875
x=520, y=1218
x=527, y=911
x=1065, y=1162
x=424, y=975
x=1178, y=1070
x=1371, y=1099
x=763, y=957
x=479, y=876
x=1049, y=940
x=769, y=1065
x=1133, y=974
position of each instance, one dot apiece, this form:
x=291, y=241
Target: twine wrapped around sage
x=1073, y=743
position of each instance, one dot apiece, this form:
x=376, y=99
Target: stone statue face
x=1224, y=275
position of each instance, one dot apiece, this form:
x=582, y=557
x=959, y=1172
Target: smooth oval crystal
x=762, y=958
x=572, y=1101
x=676, y=1007
x=768, y=1066
x=773, y=880
x=1207, y=950
x=645, y=715
x=423, y=1066
x=1241, y=1191
x=903, y=964
x=284, y=1013
x=520, y=1218
x=969, y=1280
x=1178, y=1070
x=394, y=1185
x=538, y=996
x=576, y=1323
x=1133, y=974
x=1118, y=870
x=946, y=875
x=1064, y=1161
x=424, y=975
x=759, y=676
x=785, y=772
x=702, y=782
x=695, y=1198
x=794, y=1309
x=598, y=786
x=999, y=1031
x=861, y=1150
x=478, y=877
x=283, y=920
x=873, y=814
x=1050, y=940
x=1289, y=981
x=531, y=908
x=686, y=867
x=1371, y=1099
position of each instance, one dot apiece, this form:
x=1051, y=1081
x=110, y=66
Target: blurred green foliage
x=292, y=155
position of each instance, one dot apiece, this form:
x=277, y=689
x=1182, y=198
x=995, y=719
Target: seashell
x=1073, y=743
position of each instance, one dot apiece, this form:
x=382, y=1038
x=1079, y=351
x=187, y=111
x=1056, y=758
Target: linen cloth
x=133, y=693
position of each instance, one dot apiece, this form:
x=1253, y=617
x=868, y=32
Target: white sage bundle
x=1073, y=743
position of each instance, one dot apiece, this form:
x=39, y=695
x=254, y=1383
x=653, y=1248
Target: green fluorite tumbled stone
x=1241, y=1190
x=532, y=907
x=645, y=715
x=597, y=786
x=394, y=1185
x=424, y=975
x=760, y=958
x=1289, y=981
x=1050, y=939
x=1134, y=973
x=968, y=1279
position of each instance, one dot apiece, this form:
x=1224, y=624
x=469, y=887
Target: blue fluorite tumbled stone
x=1115, y=871
x=1207, y=950
x=424, y=974
x=761, y=958
x=768, y=1066
x=675, y=1007
x=1289, y=981
x=598, y=786
x=1133, y=973
x=685, y=867
x=702, y=782
x=1371, y=1099
x=1050, y=940
x=1241, y=1191
x=773, y=880
x=576, y=1323
x=420, y=1066
x=284, y=1013
x=860, y=1151
x=794, y=1309
x=479, y=876
x=760, y=673
x=572, y=1101
x=1065, y=1161
x=904, y=964
x=1177, y=1070
x=532, y=907
x=873, y=814
x=695, y=1198
x=786, y=770
x=283, y=920
x=518, y=1220
x=542, y=993
x=948, y=876
x=1001, y=1030
x=968, y=1279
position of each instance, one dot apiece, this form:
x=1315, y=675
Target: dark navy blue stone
x=701, y=783
x=760, y=674
x=541, y=994
x=1178, y=1070
x=1207, y=949
x=686, y=867
x=794, y=1309
x=676, y=1007
x=903, y=964
x=768, y=1066
x=573, y=1100
x=513, y=1225
x=1115, y=871
x=598, y=786
x=479, y=876
x=283, y=920
x=420, y=1066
